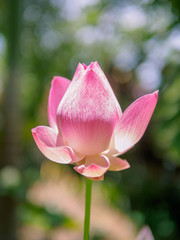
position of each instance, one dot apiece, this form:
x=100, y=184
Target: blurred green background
x=137, y=44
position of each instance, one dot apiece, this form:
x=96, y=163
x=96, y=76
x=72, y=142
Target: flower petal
x=88, y=112
x=101, y=178
x=59, y=86
x=94, y=167
x=79, y=71
x=50, y=144
x=134, y=122
x=145, y=234
x=118, y=164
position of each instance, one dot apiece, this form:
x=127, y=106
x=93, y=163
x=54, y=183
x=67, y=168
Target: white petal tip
x=156, y=93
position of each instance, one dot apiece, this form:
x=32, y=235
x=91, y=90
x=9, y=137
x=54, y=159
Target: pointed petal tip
x=156, y=93
x=96, y=64
x=55, y=80
x=126, y=165
x=80, y=71
x=154, y=96
x=33, y=130
x=93, y=65
x=90, y=66
x=118, y=164
x=81, y=65
x=84, y=65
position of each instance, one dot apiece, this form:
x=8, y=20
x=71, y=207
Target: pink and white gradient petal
x=118, y=164
x=88, y=113
x=133, y=123
x=80, y=71
x=59, y=86
x=94, y=167
x=50, y=144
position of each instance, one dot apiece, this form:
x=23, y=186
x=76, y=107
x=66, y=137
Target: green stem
x=87, y=208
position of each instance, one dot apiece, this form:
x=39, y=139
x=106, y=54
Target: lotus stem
x=87, y=208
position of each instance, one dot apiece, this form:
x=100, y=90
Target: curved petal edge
x=101, y=178
x=118, y=164
x=50, y=144
x=94, y=168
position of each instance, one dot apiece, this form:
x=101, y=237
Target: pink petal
x=101, y=178
x=94, y=167
x=145, y=234
x=50, y=144
x=79, y=71
x=59, y=86
x=134, y=122
x=88, y=112
x=118, y=164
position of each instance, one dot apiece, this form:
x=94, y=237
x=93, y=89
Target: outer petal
x=94, y=167
x=118, y=164
x=133, y=122
x=50, y=144
x=59, y=86
x=88, y=112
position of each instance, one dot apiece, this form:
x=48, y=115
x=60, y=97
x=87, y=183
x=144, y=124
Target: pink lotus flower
x=87, y=126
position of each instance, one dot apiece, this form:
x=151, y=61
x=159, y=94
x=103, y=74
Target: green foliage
x=29, y=213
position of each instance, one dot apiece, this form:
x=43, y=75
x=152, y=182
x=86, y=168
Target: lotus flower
x=87, y=126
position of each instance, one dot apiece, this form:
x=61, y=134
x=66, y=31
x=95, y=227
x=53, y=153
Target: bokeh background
x=137, y=44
